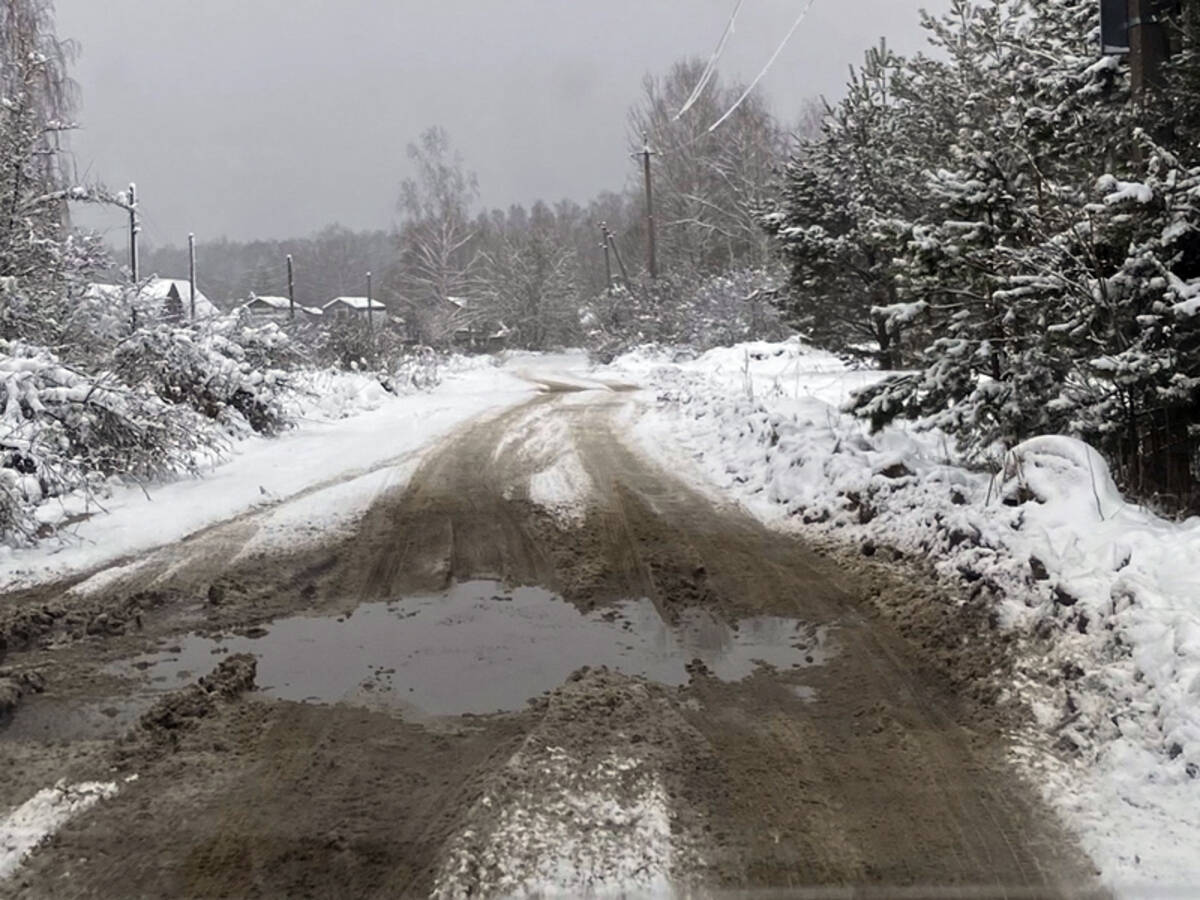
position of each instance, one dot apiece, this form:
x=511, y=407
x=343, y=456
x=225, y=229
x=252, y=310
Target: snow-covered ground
x=352, y=436
x=1108, y=592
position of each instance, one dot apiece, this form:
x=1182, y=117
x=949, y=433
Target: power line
x=759, y=77
x=711, y=68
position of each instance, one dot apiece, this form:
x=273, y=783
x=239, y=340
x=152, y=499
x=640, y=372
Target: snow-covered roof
x=100, y=290
x=282, y=303
x=160, y=289
x=356, y=302
x=460, y=302
x=274, y=302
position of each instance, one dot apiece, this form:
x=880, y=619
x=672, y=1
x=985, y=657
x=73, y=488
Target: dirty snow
x=1110, y=591
x=574, y=837
x=25, y=827
x=562, y=489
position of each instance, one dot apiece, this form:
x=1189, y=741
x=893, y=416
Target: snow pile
x=562, y=488
x=576, y=836
x=1105, y=594
x=337, y=394
x=23, y=829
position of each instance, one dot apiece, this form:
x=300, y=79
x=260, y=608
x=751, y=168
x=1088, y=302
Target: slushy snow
x=25, y=827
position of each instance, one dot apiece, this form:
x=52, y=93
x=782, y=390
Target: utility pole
x=291, y=291
x=192, y=271
x=607, y=260
x=370, y=303
x=608, y=236
x=134, y=228
x=1148, y=45
x=651, y=249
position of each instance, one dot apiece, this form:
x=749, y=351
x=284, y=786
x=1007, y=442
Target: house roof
x=100, y=290
x=160, y=289
x=282, y=303
x=274, y=302
x=356, y=303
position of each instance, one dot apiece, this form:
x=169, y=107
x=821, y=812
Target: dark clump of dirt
x=180, y=709
x=71, y=617
x=15, y=685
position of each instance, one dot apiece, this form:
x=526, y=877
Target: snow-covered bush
x=208, y=371
x=63, y=431
x=699, y=314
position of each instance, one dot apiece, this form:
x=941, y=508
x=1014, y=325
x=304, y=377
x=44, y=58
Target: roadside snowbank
x=1107, y=594
x=349, y=427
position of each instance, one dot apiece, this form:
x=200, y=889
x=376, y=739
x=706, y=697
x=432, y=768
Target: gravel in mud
x=881, y=764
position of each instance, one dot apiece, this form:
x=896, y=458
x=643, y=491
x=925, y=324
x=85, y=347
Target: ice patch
x=23, y=829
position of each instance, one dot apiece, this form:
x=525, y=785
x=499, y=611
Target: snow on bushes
x=62, y=431
x=1103, y=595
x=212, y=372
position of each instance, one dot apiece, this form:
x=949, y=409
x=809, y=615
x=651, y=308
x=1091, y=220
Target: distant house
x=355, y=307
x=175, y=298
x=279, y=308
x=168, y=298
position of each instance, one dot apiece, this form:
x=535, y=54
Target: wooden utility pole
x=370, y=304
x=134, y=228
x=607, y=260
x=1148, y=46
x=651, y=248
x=192, y=271
x=291, y=290
x=617, y=253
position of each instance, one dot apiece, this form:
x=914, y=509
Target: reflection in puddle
x=481, y=648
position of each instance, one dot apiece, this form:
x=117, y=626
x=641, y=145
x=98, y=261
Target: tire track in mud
x=860, y=771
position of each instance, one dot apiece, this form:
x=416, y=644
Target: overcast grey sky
x=272, y=118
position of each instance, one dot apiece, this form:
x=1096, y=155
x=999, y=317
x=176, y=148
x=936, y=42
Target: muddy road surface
x=541, y=666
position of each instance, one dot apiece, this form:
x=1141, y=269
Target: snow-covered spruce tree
x=1003, y=251
x=848, y=200
x=1136, y=345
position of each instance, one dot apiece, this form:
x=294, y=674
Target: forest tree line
x=540, y=269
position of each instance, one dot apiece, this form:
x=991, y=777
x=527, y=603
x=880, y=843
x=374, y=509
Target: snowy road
x=681, y=764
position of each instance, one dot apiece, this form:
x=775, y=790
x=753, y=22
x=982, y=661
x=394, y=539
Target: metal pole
x=291, y=291
x=617, y=253
x=607, y=259
x=370, y=303
x=134, y=228
x=192, y=271
x=651, y=247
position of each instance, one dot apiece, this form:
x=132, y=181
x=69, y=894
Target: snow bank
x=328, y=447
x=1107, y=594
x=25, y=827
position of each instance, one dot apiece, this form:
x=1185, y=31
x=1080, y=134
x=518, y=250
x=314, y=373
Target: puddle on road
x=481, y=648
